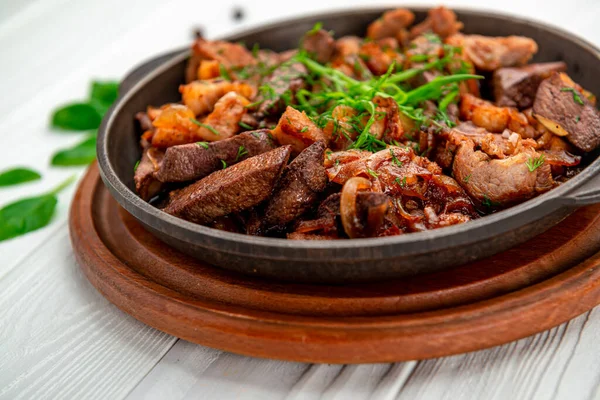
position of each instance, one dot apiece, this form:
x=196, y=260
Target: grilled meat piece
x=490, y=53
x=319, y=44
x=565, y=110
x=283, y=82
x=146, y=184
x=391, y=24
x=499, y=182
x=440, y=21
x=193, y=161
x=517, y=87
x=301, y=183
x=229, y=190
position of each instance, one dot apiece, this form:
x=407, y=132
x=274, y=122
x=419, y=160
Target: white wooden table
x=60, y=339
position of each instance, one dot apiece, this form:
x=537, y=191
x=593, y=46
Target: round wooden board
x=525, y=290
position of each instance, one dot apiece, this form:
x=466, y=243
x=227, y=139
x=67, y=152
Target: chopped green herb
x=304, y=129
x=316, y=28
x=210, y=128
x=577, y=119
x=245, y=125
x=467, y=178
x=372, y=173
x=224, y=164
x=255, y=50
x=241, y=153
x=419, y=58
x=534, y=163
x=224, y=73
x=337, y=162
x=29, y=214
x=402, y=182
x=137, y=164
x=576, y=95
x=202, y=144
x=256, y=135
x=15, y=176
x=488, y=202
x=395, y=159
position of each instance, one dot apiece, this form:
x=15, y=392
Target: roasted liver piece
x=232, y=189
x=516, y=87
x=189, y=162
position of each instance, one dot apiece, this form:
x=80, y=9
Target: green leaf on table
x=15, y=176
x=82, y=153
x=29, y=214
x=77, y=117
x=104, y=92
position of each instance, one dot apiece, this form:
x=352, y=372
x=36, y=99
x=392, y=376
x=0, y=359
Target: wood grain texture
x=57, y=346
x=113, y=258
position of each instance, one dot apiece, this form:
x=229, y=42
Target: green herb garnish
x=395, y=159
x=467, y=178
x=534, y=163
x=402, y=182
x=16, y=176
x=245, y=125
x=202, y=144
x=135, y=167
x=372, y=173
x=316, y=28
x=576, y=96
x=210, y=128
x=304, y=129
x=224, y=73
x=241, y=153
x=224, y=164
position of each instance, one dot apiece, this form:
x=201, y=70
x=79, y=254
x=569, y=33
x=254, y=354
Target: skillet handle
x=135, y=75
x=587, y=194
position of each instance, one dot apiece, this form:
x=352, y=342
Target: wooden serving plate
x=528, y=289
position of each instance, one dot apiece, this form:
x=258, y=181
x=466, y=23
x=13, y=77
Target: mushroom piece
x=564, y=109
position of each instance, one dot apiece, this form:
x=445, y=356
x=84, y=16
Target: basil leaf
x=30, y=214
x=82, y=153
x=104, y=92
x=77, y=117
x=16, y=176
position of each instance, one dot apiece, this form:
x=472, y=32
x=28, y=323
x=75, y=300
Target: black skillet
x=156, y=82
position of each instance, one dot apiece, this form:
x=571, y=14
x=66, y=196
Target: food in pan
x=413, y=127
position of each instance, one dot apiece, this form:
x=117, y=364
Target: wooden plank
x=59, y=338
x=526, y=369
x=190, y=371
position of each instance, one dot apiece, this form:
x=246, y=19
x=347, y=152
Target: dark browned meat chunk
x=190, y=162
x=391, y=24
x=299, y=188
x=232, y=189
x=284, y=82
x=146, y=185
x=440, y=21
x=499, y=182
x=516, y=87
x=566, y=111
x=319, y=44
